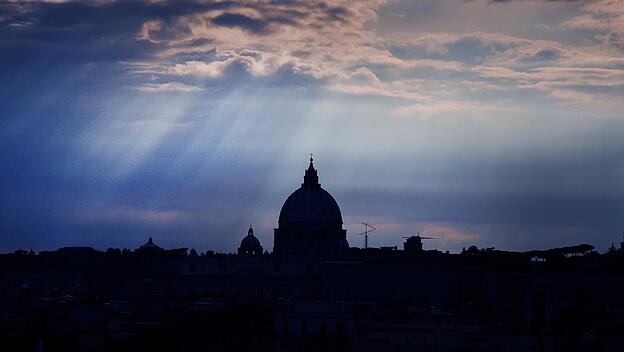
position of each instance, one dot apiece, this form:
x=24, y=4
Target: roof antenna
x=366, y=232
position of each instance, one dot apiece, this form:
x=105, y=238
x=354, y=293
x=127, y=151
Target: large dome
x=310, y=221
x=310, y=206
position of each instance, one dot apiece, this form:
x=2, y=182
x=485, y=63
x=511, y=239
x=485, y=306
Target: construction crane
x=422, y=237
x=414, y=243
x=368, y=228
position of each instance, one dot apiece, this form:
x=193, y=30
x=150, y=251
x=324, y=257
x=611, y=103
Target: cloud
x=606, y=16
x=364, y=76
x=326, y=42
x=294, y=20
x=508, y=63
x=253, y=25
x=473, y=108
x=254, y=62
x=333, y=44
x=553, y=79
x=574, y=96
x=134, y=215
x=168, y=87
x=480, y=48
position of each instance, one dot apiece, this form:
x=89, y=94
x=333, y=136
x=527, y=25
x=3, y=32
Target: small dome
x=150, y=245
x=250, y=244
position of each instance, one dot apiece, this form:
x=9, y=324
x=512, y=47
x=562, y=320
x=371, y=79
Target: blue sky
x=495, y=123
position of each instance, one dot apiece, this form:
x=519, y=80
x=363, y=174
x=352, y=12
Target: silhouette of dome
x=310, y=205
x=310, y=221
x=250, y=244
x=250, y=241
x=150, y=245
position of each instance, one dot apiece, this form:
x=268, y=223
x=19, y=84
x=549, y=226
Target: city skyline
x=488, y=123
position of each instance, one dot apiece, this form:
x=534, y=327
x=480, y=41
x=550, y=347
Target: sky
x=480, y=122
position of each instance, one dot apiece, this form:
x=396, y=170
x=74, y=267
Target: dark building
x=250, y=245
x=413, y=244
x=310, y=222
x=314, y=293
x=150, y=246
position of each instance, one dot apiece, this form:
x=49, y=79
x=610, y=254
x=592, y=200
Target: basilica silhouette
x=313, y=292
x=310, y=222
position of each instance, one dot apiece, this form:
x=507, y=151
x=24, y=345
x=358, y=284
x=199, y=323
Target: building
x=413, y=244
x=312, y=294
x=310, y=222
x=150, y=246
x=250, y=245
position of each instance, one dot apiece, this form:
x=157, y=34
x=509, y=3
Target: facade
x=310, y=222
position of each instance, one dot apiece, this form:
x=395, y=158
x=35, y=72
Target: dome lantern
x=310, y=179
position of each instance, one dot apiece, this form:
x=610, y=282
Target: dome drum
x=309, y=240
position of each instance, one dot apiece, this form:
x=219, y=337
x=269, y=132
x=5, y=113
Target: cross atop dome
x=311, y=177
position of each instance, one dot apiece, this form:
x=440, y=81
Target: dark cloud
x=241, y=21
x=615, y=41
x=546, y=55
x=76, y=27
